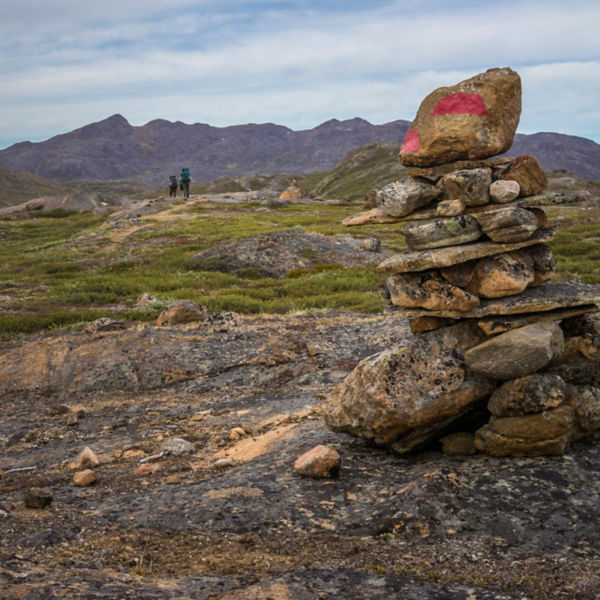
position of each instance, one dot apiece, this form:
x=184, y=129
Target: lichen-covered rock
x=528, y=173
x=508, y=224
x=469, y=185
x=518, y=352
x=404, y=196
x=501, y=275
x=543, y=263
x=476, y=118
x=427, y=289
x=460, y=274
x=504, y=191
x=439, y=233
x=530, y=394
x=406, y=396
x=585, y=401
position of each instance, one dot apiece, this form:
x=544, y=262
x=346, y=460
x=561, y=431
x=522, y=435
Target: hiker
x=173, y=186
x=184, y=181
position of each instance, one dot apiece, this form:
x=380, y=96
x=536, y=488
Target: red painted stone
x=460, y=104
x=411, y=141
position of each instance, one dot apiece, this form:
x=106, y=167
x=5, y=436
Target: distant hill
x=113, y=149
x=16, y=187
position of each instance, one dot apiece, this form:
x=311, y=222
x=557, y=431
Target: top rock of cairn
x=474, y=119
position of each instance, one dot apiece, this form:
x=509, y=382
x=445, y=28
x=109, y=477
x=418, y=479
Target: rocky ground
x=231, y=519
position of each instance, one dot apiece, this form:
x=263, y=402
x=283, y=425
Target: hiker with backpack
x=173, y=186
x=184, y=181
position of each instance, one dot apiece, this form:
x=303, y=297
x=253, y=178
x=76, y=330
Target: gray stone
x=404, y=196
x=518, y=352
x=38, y=497
x=509, y=224
x=469, y=185
x=177, y=447
x=504, y=191
x=411, y=260
x=443, y=232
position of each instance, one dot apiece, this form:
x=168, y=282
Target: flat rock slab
x=549, y=296
x=411, y=260
x=276, y=254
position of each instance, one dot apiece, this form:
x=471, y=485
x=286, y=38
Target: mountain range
x=112, y=149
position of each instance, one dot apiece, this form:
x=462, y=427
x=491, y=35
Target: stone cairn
x=504, y=361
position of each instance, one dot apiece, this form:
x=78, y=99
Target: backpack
x=185, y=174
x=173, y=181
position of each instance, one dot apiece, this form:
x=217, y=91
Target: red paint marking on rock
x=461, y=104
x=411, y=141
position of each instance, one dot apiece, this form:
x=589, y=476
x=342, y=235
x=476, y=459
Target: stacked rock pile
x=474, y=282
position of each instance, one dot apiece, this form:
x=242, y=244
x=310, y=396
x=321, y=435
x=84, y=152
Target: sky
x=67, y=63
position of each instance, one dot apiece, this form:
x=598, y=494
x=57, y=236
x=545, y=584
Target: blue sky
x=67, y=63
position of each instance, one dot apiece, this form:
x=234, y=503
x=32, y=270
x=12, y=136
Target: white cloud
x=157, y=59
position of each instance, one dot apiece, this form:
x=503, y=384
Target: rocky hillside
x=16, y=187
x=113, y=149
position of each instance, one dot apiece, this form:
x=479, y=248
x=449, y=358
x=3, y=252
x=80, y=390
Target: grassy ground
x=70, y=269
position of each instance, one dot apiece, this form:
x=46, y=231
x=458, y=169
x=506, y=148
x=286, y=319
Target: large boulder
x=404, y=196
x=442, y=232
x=408, y=396
x=476, y=118
x=518, y=352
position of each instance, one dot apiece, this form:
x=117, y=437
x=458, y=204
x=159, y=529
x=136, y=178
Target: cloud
x=296, y=63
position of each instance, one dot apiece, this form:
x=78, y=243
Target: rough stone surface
x=491, y=442
x=471, y=186
x=38, y=497
x=549, y=296
x=503, y=191
x=250, y=528
x=278, y=253
x=476, y=118
x=182, y=311
x=510, y=224
x=449, y=231
x=528, y=173
x=403, y=197
x=518, y=352
x=450, y=208
x=546, y=425
x=530, y=394
x=585, y=401
x=427, y=289
x=543, y=263
x=410, y=260
x=84, y=478
x=502, y=275
x=319, y=462
x=406, y=396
